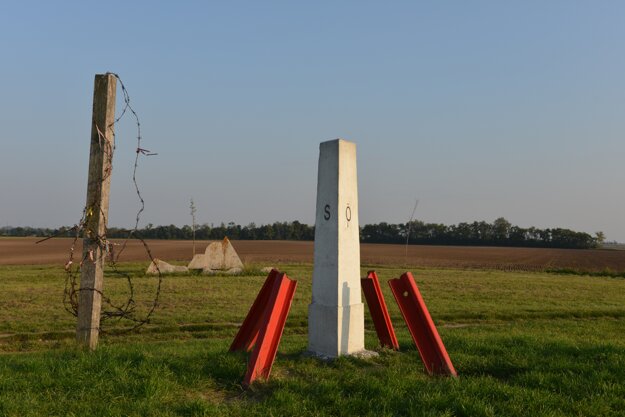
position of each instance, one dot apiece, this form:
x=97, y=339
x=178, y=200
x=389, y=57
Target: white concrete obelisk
x=336, y=314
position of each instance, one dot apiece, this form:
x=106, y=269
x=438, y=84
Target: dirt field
x=24, y=251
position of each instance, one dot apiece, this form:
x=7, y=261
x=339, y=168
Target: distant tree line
x=498, y=233
x=276, y=231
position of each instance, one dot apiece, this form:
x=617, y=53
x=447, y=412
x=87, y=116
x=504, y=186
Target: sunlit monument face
x=335, y=316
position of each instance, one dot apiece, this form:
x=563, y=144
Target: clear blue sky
x=480, y=109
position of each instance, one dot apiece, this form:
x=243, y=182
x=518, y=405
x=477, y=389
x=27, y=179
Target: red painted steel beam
x=248, y=332
x=279, y=304
x=422, y=328
x=378, y=310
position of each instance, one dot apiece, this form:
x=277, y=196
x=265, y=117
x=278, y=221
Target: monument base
x=363, y=354
x=336, y=330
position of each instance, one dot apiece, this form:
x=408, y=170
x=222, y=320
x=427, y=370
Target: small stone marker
x=164, y=267
x=336, y=314
x=222, y=256
x=218, y=257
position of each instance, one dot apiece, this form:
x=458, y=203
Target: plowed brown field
x=24, y=251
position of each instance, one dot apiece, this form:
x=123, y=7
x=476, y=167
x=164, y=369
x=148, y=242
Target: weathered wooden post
x=96, y=214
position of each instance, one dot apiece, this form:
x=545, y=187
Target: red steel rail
x=422, y=328
x=379, y=311
x=262, y=328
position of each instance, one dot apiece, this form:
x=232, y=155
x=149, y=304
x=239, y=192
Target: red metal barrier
x=422, y=328
x=248, y=332
x=266, y=348
x=378, y=310
x=263, y=326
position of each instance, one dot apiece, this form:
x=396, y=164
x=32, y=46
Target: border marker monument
x=336, y=314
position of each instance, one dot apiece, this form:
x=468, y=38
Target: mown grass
x=523, y=344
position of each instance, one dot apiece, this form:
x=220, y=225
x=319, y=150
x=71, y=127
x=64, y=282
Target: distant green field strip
x=30, y=298
x=227, y=330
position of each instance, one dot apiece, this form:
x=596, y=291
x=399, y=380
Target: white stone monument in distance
x=336, y=314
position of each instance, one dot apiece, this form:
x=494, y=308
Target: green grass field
x=524, y=344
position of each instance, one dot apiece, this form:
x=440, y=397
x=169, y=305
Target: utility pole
x=193, y=210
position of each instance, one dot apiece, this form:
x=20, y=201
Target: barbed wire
x=110, y=310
